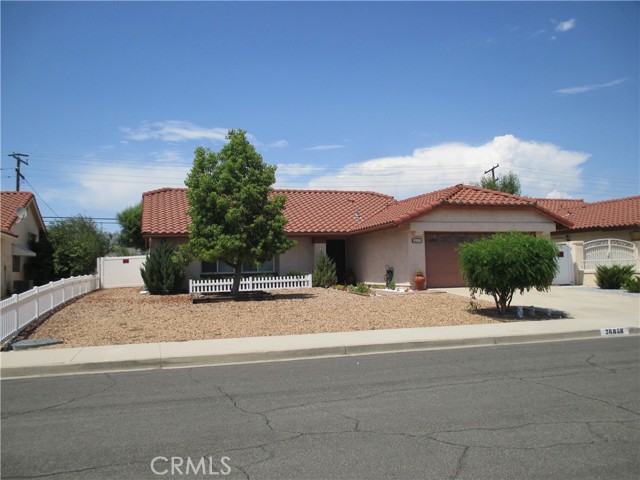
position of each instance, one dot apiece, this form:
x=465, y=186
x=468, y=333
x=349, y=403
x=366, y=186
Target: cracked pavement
x=548, y=410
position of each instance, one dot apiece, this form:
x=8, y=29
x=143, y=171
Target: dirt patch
x=124, y=316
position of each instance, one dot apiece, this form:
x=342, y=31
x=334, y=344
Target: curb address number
x=614, y=331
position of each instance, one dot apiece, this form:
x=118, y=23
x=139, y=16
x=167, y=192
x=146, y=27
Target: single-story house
x=602, y=233
x=20, y=216
x=364, y=232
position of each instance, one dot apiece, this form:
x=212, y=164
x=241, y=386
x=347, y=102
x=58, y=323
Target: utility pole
x=19, y=162
x=492, y=170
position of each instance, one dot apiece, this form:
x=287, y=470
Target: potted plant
x=420, y=280
x=351, y=277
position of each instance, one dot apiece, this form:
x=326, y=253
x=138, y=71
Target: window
x=16, y=264
x=209, y=268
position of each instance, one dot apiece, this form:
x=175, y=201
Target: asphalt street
x=557, y=410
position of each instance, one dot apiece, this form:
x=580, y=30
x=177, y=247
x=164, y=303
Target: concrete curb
x=155, y=360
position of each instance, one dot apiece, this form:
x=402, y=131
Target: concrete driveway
x=588, y=303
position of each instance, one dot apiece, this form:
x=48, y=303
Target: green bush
x=359, y=288
x=508, y=262
x=324, y=272
x=162, y=271
x=612, y=277
x=632, y=285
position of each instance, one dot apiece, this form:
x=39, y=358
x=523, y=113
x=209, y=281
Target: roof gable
x=9, y=202
x=459, y=196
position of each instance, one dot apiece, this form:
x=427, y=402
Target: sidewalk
x=593, y=312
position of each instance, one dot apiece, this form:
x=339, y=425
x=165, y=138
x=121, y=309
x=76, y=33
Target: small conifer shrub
x=324, y=272
x=162, y=272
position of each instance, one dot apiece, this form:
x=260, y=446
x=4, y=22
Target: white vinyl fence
x=250, y=284
x=121, y=272
x=20, y=310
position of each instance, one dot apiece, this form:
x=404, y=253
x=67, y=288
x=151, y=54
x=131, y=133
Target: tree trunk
x=237, y=278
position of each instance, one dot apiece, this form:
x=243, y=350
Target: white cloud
x=588, y=88
x=266, y=146
x=111, y=188
x=279, y=144
x=558, y=194
x=173, y=131
x=296, y=175
x=541, y=167
x=566, y=25
x=298, y=169
x=322, y=148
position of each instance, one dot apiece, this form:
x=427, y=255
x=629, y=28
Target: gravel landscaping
x=124, y=316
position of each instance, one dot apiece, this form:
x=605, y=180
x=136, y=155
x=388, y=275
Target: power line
x=38, y=195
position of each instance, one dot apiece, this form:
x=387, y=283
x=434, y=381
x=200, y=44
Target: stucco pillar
x=416, y=259
x=577, y=252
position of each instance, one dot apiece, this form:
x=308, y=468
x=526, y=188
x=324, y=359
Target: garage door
x=442, y=269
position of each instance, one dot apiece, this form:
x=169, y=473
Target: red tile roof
x=334, y=211
x=164, y=211
x=330, y=211
x=605, y=215
x=562, y=206
x=9, y=202
x=458, y=195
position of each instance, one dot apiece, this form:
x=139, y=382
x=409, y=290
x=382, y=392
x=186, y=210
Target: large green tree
x=234, y=216
x=77, y=242
x=509, y=183
x=506, y=263
x=40, y=268
x=130, y=220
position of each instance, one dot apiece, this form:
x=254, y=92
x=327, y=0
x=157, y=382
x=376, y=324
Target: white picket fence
x=250, y=284
x=20, y=310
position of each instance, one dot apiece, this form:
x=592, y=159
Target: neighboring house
x=365, y=231
x=15, y=238
x=603, y=233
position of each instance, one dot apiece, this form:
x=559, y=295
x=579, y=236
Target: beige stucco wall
x=22, y=229
x=484, y=220
x=299, y=258
x=369, y=254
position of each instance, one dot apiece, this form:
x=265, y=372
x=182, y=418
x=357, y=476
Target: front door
x=336, y=251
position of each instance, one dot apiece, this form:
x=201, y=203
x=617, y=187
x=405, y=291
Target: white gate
x=609, y=251
x=565, y=266
x=119, y=272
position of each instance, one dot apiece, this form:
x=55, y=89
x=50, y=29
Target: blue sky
x=110, y=99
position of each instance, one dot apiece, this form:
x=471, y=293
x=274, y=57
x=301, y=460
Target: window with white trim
x=221, y=268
